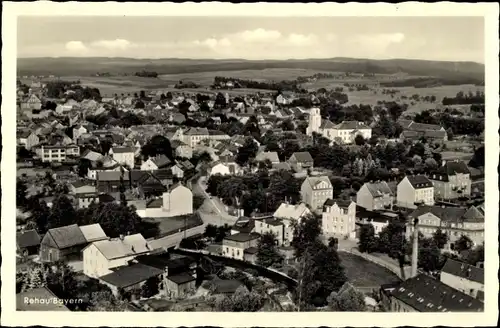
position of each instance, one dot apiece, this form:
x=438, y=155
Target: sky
x=430, y=38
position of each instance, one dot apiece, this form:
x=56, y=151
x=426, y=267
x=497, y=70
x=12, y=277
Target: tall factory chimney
x=414, y=255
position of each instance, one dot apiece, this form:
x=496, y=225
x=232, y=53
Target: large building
x=124, y=156
x=315, y=191
x=454, y=221
x=234, y=246
x=415, y=190
x=375, y=196
x=58, y=153
x=344, y=132
x=463, y=277
x=452, y=180
x=339, y=219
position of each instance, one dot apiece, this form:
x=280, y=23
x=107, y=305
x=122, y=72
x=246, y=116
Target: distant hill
x=88, y=66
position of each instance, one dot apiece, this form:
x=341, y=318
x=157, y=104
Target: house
x=217, y=135
x=128, y=280
x=102, y=256
x=39, y=299
x=63, y=243
x=57, y=153
x=33, y=102
x=315, y=191
x=224, y=168
x=273, y=226
x=290, y=214
x=415, y=190
x=234, y=246
x=93, y=232
x=339, y=218
x=179, y=272
x=156, y=163
x=181, y=149
x=430, y=135
x=375, y=196
x=272, y=156
x=78, y=131
x=84, y=200
x=426, y=294
x=451, y=181
x=194, y=136
x=28, y=139
x=124, y=156
x=182, y=169
x=345, y=132
x=81, y=187
x=176, y=201
x=28, y=242
x=454, y=221
x=464, y=277
x=300, y=161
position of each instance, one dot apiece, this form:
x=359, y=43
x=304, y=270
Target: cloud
x=75, y=46
x=258, y=35
x=301, y=39
x=117, y=44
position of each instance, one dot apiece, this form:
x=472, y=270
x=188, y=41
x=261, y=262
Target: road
x=212, y=211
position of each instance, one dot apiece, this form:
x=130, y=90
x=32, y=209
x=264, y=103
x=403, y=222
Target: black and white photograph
x=220, y=162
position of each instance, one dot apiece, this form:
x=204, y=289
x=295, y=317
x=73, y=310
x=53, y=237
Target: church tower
x=314, y=121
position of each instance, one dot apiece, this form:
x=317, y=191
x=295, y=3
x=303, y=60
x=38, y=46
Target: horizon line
x=243, y=59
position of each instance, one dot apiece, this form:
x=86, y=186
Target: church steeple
x=314, y=121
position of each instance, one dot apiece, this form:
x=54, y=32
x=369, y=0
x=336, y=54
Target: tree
x=21, y=189
x=429, y=255
x=247, y=152
x=287, y=125
x=150, y=287
x=440, y=238
x=62, y=213
x=105, y=301
x=347, y=299
x=450, y=134
x=477, y=159
x=267, y=251
x=40, y=213
x=463, y=243
x=83, y=167
x=220, y=101
x=475, y=255
x=430, y=164
x=305, y=234
x=210, y=231
x=241, y=301
x=157, y=145
x=367, y=240
x=359, y=140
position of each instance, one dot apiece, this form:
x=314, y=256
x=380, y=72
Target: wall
x=464, y=285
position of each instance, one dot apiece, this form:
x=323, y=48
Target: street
x=212, y=211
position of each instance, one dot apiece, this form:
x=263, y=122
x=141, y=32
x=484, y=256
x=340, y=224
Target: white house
x=156, y=163
x=345, y=131
x=463, y=277
x=101, y=256
x=177, y=201
x=288, y=214
x=78, y=131
x=339, y=219
x=124, y=155
x=415, y=190
x=316, y=190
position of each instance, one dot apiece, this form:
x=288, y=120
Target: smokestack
x=414, y=257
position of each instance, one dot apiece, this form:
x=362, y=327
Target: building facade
x=315, y=191
x=415, y=190
x=339, y=219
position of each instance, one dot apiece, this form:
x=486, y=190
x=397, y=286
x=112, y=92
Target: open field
x=363, y=273
x=172, y=225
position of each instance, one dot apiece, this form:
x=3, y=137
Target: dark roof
x=118, y=150
x=419, y=181
x=453, y=168
x=423, y=127
x=131, y=275
x=378, y=189
x=244, y=225
x=342, y=203
x=303, y=156
x=226, y=286
x=444, y=213
x=181, y=278
x=426, y=294
x=327, y=124
x=251, y=250
x=67, y=236
x=464, y=270
x=242, y=237
x=28, y=238
x=111, y=176
x=272, y=221
x=165, y=260
x=161, y=161
x=424, y=134
x=351, y=125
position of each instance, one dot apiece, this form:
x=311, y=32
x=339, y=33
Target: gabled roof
x=342, y=203
x=93, y=232
x=131, y=275
x=67, y=236
x=314, y=181
x=111, y=176
x=161, y=160
x=426, y=294
x=270, y=155
x=165, y=260
x=327, y=124
x=302, y=156
x=379, y=189
x=351, y=125
x=28, y=238
x=197, y=132
x=118, y=248
x=451, y=214
x=463, y=270
x=181, y=278
x=419, y=181
x=242, y=237
x=423, y=127
x=473, y=214
x=289, y=211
